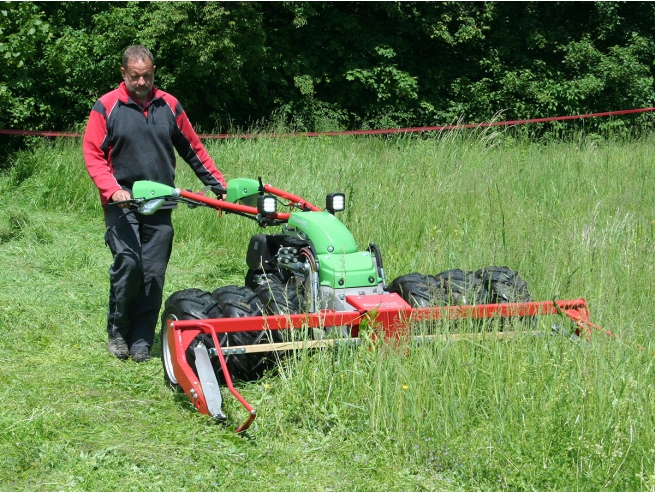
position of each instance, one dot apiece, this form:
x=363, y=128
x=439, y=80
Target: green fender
x=341, y=265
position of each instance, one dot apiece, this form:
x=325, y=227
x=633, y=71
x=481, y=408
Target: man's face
x=139, y=77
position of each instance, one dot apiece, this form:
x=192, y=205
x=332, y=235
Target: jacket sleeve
x=190, y=148
x=96, y=154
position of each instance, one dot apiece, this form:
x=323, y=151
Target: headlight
x=266, y=204
x=335, y=202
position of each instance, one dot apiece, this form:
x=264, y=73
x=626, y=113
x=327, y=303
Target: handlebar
x=150, y=196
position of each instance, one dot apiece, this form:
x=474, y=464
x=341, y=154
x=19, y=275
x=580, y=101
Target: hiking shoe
x=118, y=348
x=141, y=357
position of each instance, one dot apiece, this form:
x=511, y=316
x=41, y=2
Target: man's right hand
x=120, y=196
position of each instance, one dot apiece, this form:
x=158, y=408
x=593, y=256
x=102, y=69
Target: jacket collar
x=124, y=95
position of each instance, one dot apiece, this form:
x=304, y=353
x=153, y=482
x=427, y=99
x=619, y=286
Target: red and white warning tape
x=385, y=131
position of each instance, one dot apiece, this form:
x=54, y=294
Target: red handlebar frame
x=217, y=204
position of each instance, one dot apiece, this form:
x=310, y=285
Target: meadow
x=576, y=218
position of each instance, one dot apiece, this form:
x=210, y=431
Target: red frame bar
x=389, y=311
x=237, y=207
x=228, y=381
x=295, y=199
x=229, y=206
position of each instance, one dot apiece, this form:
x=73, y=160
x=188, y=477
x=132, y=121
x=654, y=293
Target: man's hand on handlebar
x=219, y=191
x=122, y=196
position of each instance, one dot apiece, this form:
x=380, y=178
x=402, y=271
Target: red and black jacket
x=124, y=143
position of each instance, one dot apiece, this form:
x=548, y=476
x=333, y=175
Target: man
x=130, y=136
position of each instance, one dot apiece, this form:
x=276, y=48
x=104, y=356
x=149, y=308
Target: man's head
x=138, y=71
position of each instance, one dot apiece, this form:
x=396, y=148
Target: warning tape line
x=40, y=133
x=417, y=129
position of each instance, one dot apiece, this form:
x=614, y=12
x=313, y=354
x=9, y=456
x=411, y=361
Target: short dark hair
x=137, y=52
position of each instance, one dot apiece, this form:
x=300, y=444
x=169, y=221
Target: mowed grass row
x=541, y=412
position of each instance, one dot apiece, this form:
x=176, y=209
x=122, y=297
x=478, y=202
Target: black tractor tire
x=281, y=298
x=501, y=285
x=238, y=302
x=459, y=287
x=189, y=304
x=418, y=290
x=490, y=285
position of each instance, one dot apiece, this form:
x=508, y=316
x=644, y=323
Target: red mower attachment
x=388, y=313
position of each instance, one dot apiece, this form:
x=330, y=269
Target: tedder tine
x=209, y=383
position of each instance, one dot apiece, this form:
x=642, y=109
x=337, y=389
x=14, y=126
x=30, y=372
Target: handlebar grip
x=218, y=190
x=123, y=202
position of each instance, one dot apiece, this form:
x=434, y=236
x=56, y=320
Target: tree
x=331, y=65
x=22, y=28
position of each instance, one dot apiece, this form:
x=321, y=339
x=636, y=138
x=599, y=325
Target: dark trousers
x=141, y=245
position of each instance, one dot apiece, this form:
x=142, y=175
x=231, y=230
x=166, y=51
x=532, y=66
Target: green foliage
x=212, y=56
x=334, y=65
x=22, y=30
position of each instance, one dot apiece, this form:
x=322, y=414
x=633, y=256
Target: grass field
x=576, y=219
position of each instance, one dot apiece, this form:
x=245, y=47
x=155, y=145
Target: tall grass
x=538, y=412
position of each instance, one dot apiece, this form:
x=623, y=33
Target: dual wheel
x=490, y=285
x=230, y=302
